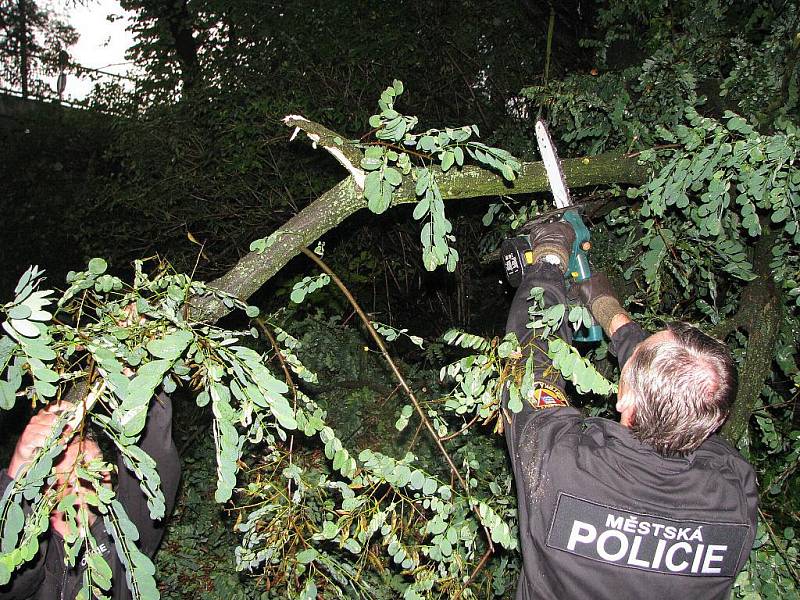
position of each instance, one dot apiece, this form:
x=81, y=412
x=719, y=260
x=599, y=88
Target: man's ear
x=625, y=401
x=626, y=406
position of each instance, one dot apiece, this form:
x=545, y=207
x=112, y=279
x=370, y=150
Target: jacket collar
x=624, y=441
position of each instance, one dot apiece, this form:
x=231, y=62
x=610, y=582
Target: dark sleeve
x=158, y=443
x=28, y=578
x=625, y=340
x=551, y=280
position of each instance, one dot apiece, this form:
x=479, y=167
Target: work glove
x=598, y=295
x=552, y=242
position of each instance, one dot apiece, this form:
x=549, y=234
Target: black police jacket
x=46, y=578
x=602, y=515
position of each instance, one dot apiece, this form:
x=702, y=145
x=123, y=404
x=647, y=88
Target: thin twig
x=287, y=375
x=414, y=437
x=399, y=376
x=778, y=547
x=401, y=380
x=289, y=381
x=474, y=575
x=661, y=147
x=462, y=430
x=421, y=155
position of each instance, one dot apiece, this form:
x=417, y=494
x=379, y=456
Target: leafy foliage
x=336, y=513
x=40, y=355
x=446, y=147
x=745, y=179
x=704, y=94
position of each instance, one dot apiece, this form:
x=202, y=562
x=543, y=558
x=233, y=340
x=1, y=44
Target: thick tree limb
x=760, y=315
x=345, y=198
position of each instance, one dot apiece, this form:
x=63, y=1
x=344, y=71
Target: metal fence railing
x=55, y=78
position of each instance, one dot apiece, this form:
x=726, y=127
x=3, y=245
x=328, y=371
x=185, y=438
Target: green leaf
x=781, y=214
x=97, y=266
x=426, y=143
x=374, y=193
x=380, y=203
x=514, y=400
x=37, y=349
x=20, y=311
x=306, y=556
x=458, y=153
x=329, y=530
x=421, y=209
x=430, y=486
x=100, y=569
x=7, y=348
x=44, y=389
x=448, y=158
x=417, y=480
x=139, y=568
x=259, y=245
x=23, y=328
x=298, y=295
x=436, y=526
x=371, y=164
x=171, y=346
x=8, y=395
x=6, y=566
x=282, y=411
x=41, y=372
x=15, y=519
x=401, y=423
x=392, y=176
x=132, y=412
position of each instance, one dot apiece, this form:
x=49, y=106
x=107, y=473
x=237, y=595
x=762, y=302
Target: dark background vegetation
x=194, y=164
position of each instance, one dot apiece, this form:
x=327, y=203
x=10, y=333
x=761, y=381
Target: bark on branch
x=760, y=315
x=345, y=198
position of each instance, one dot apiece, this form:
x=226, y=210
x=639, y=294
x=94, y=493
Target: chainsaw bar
x=555, y=175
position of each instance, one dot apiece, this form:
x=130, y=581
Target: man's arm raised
x=598, y=295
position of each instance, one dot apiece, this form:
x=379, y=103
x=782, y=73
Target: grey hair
x=682, y=389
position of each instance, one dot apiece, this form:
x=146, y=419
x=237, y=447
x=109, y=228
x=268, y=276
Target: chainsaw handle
x=579, y=270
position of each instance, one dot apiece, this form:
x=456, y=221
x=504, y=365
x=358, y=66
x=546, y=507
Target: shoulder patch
x=545, y=395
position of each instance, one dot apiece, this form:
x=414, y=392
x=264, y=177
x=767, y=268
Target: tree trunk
x=345, y=198
x=23, y=47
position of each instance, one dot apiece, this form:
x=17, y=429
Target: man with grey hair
x=654, y=506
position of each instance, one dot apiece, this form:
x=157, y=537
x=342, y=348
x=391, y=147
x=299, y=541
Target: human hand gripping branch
x=80, y=451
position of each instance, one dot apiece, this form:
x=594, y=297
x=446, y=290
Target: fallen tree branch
x=345, y=151
x=346, y=198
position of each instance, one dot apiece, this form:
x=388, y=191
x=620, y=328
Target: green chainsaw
x=516, y=252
